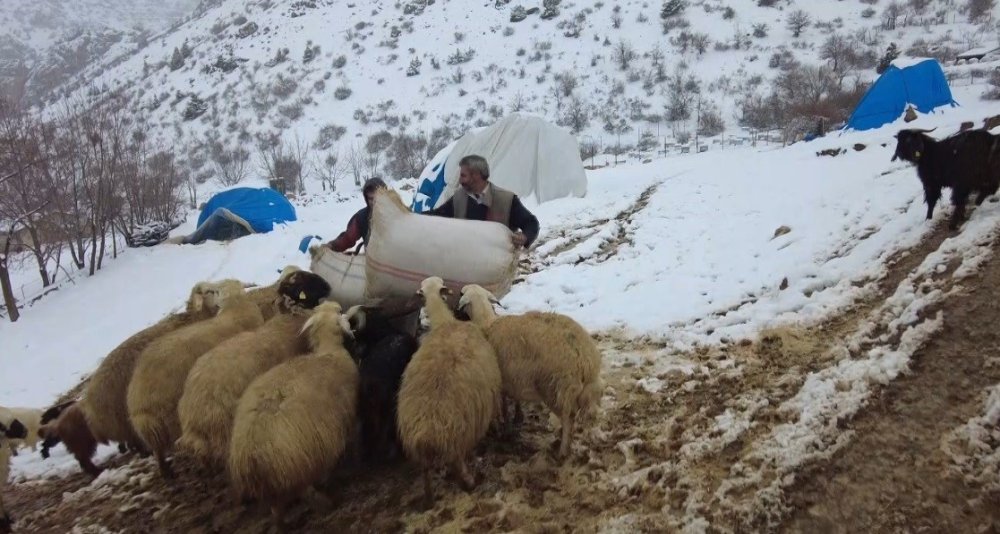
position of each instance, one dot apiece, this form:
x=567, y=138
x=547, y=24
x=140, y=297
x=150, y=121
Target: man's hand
x=519, y=238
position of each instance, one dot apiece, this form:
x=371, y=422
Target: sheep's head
x=433, y=286
x=911, y=144
x=219, y=294
x=197, y=303
x=328, y=315
x=14, y=430
x=54, y=412
x=303, y=289
x=476, y=300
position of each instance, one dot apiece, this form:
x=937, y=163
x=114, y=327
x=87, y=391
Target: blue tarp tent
x=921, y=84
x=432, y=181
x=241, y=211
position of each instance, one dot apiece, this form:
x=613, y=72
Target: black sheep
x=967, y=161
x=382, y=353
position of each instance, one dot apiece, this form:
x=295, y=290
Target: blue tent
x=241, y=211
x=431, y=189
x=922, y=84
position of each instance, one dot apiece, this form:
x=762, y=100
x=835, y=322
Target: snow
x=60, y=463
x=974, y=447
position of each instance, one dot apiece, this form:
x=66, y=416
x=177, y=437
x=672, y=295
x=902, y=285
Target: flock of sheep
x=274, y=385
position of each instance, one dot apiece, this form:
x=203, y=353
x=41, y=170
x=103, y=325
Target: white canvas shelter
x=526, y=154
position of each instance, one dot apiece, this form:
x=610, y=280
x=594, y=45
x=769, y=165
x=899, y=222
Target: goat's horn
x=924, y=130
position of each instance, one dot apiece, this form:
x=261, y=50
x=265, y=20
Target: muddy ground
x=681, y=444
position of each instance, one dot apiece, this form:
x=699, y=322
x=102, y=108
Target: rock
x=967, y=125
x=782, y=230
x=991, y=122
x=784, y=284
x=858, y=147
x=911, y=115
x=829, y=152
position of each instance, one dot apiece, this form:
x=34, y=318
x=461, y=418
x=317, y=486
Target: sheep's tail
x=153, y=431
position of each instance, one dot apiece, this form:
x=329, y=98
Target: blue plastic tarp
x=923, y=85
x=258, y=207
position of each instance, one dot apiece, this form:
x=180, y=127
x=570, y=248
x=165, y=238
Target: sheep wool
x=293, y=423
x=162, y=368
x=31, y=418
x=450, y=391
x=543, y=357
x=11, y=430
x=219, y=378
x=104, y=398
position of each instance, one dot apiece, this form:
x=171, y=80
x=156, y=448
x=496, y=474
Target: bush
x=247, y=30
x=339, y=62
x=342, y=93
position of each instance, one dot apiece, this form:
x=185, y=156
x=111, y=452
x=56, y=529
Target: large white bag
x=406, y=247
x=344, y=273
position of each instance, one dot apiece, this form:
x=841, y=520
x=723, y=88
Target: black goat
x=967, y=161
x=382, y=352
x=48, y=416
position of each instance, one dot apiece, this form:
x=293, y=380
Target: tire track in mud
x=894, y=474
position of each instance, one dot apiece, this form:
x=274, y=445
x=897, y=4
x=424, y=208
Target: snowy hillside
x=622, y=75
x=44, y=42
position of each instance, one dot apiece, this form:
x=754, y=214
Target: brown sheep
x=543, y=357
x=71, y=428
x=294, y=421
x=219, y=378
x=450, y=391
x=103, y=402
x=162, y=368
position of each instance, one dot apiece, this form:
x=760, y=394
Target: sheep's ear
x=345, y=326
x=463, y=301
x=16, y=430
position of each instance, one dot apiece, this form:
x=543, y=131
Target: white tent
x=526, y=154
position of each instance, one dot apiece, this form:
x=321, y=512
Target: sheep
x=294, y=421
x=967, y=161
x=545, y=357
x=104, y=399
x=10, y=430
x=72, y=429
x=218, y=379
x=161, y=370
x=382, y=352
x=29, y=417
x=266, y=298
x=450, y=391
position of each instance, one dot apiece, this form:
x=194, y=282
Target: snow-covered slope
x=333, y=72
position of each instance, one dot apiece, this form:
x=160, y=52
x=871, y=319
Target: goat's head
x=433, y=286
x=357, y=317
x=911, y=144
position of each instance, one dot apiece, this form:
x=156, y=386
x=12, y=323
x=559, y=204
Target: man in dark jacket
x=360, y=224
x=483, y=201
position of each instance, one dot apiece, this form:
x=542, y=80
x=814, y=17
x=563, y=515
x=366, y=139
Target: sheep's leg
x=465, y=475
x=568, y=422
x=165, y=469
x=428, y=492
x=931, y=196
x=5, y=521
x=88, y=466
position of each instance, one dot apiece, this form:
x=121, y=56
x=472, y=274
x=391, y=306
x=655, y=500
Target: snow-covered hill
x=332, y=73
x=45, y=42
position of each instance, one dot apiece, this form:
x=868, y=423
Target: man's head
x=473, y=173
x=372, y=185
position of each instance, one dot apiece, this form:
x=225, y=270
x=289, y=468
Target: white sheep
x=294, y=421
x=104, y=399
x=543, y=357
x=162, y=369
x=12, y=430
x=450, y=391
x=31, y=418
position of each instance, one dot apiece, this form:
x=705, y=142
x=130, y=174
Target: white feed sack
x=405, y=247
x=344, y=273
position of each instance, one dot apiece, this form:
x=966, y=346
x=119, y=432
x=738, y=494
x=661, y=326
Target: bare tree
x=231, y=165
x=406, y=155
x=356, y=163
x=328, y=167
x=624, y=54
x=798, y=20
